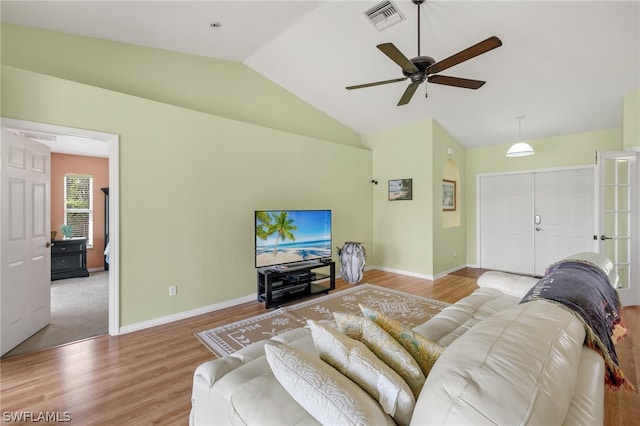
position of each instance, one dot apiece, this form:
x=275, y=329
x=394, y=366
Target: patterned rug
x=406, y=308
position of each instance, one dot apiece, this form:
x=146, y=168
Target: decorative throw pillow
x=349, y=324
x=384, y=346
x=423, y=350
x=353, y=359
x=330, y=397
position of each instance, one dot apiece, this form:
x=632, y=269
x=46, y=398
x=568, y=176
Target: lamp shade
x=520, y=149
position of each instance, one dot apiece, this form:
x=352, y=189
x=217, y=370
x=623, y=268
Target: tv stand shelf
x=276, y=286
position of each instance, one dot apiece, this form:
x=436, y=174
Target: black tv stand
x=276, y=286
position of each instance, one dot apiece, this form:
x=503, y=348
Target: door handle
x=602, y=237
x=48, y=244
x=538, y=228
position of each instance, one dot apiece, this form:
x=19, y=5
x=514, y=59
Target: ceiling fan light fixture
x=520, y=149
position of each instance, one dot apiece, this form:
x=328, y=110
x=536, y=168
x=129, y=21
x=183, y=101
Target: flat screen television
x=288, y=236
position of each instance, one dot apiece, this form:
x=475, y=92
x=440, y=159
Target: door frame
x=113, y=141
x=631, y=295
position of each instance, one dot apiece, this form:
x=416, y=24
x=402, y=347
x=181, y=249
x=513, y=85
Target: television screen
x=286, y=236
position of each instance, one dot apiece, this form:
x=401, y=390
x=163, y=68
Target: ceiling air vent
x=384, y=14
x=37, y=136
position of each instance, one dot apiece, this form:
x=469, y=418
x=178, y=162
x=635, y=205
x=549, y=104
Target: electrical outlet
x=454, y=254
x=173, y=290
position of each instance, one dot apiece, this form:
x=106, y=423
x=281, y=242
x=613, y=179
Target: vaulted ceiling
x=565, y=66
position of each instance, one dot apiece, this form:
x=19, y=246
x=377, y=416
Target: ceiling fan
x=423, y=68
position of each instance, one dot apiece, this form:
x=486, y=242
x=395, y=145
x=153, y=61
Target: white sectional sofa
x=505, y=363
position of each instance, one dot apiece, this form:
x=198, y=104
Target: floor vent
x=384, y=14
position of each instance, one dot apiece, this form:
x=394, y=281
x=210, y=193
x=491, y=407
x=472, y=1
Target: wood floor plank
x=145, y=377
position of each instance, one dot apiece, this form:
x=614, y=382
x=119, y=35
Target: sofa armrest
x=209, y=372
x=510, y=284
x=587, y=404
x=205, y=399
x=601, y=262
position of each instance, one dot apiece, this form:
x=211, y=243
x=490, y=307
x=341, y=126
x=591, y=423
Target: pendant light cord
x=520, y=117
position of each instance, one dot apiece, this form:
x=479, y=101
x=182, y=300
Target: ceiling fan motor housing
x=422, y=63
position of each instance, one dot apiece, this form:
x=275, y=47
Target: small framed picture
x=448, y=195
x=400, y=189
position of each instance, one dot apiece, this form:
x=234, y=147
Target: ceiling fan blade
x=398, y=57
x=456, y=81
x=408, y=93
x=377, y=83
x=466, y=54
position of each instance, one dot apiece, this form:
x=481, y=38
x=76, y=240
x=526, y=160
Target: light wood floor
x=145, y=377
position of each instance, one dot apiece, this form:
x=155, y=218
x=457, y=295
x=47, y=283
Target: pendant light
x=520, y=149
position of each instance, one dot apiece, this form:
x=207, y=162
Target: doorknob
x=602, y=237
x=538, y=228
x=48, y=244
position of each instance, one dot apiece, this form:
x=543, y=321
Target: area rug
x=404, y=307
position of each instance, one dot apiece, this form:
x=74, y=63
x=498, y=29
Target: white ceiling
x=565, y=66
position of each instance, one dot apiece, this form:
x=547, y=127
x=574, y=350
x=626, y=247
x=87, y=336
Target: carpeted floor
x=404, y=307
x=79, y=309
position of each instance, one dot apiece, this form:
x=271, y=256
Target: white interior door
x=506, y=231
x=564, y=215
x=619, y=219
x=25, y=259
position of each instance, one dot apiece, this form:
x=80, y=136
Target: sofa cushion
x=519, y=366
x=353, y=359
x=455, y=320
x=263, y=397
x=327, y=395
x=423, y=350
x=384, y=346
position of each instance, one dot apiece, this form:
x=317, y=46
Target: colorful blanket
x=584, y=289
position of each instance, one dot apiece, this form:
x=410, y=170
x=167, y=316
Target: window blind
x=78, y=205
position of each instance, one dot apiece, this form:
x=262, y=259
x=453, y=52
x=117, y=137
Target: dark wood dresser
x=69, y=259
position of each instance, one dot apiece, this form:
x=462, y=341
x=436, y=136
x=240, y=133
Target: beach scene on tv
x=292, y=236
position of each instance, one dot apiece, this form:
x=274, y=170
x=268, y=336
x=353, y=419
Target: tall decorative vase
x=352, y=259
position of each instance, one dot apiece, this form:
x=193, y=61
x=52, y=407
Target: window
x=78, y=205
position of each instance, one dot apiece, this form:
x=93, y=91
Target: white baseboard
x=449, y=271
x=401, y=272
x=423, y=276
x=186, y=314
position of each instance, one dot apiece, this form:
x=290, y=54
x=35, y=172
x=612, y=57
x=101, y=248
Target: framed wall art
x=400, y=189
x=448, y=195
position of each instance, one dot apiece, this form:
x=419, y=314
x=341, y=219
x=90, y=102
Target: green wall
x=449, y=228
x=411, y=236
x=631, y=121
x=189, y=183
x=223, y=88
x=403, y=230
x=560, y=151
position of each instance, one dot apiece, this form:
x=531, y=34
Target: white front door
x=506, y=232
x=619, y=220
x=564, y=215
x=25, y=258
x=533, y=219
